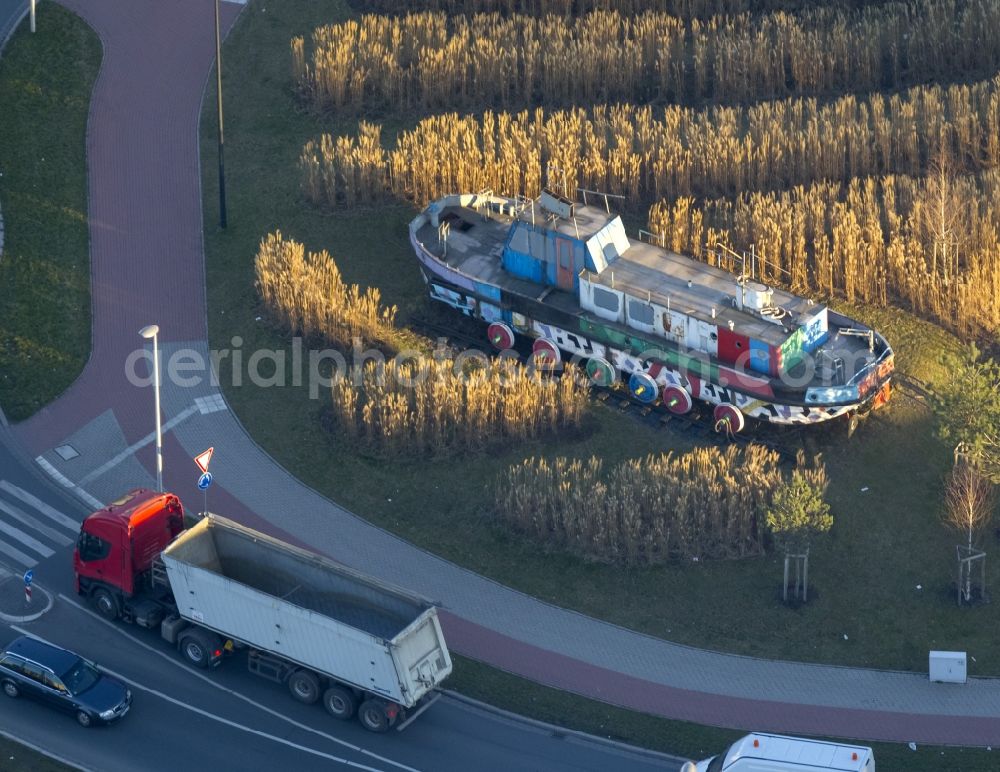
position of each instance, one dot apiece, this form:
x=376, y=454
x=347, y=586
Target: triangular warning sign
x=202, y=459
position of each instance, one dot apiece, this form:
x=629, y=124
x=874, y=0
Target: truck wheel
x=106, y=604
x=196, y=648
x=304, y=686
x=339, y=702
x=372, y=716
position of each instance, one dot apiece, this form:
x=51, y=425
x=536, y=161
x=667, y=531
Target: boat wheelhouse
x=674, y=328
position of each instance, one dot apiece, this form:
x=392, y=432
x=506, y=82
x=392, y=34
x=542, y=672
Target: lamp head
x=149, y=331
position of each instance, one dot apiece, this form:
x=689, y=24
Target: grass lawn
x=885, y=487
x=15, y=757
x=45, y=85
x=885, y=482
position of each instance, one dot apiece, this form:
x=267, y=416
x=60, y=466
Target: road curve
x=148, y=265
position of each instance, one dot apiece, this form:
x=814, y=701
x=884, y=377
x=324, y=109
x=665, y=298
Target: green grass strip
x=45, y=85
x=519, y=695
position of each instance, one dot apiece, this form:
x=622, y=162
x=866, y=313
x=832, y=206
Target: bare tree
x=970, y=501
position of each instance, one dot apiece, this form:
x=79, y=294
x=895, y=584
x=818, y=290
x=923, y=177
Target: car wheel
x=372, y=716
x=339, y=702
x=304, y=686
x=83, y=718
x=106, y=604
x=11, y=690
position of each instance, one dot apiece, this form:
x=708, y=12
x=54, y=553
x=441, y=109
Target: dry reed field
x=304, y=292
x=869, y=240
x=646, y=153
x=428, y=61
x=708, y=503
x=930, y=242
x=436, y=406
x=686, y=9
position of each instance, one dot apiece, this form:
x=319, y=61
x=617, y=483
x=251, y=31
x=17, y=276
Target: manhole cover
x=66, y=452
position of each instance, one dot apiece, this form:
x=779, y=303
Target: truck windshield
x=80, y=677
x=715, y=765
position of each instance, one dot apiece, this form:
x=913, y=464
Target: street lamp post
x=218, y=92
x=151, y=331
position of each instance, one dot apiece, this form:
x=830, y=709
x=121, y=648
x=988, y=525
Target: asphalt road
x=227, y=718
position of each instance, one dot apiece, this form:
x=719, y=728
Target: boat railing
x=656, y=239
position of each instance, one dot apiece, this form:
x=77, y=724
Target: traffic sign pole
x=28, y=578
x=204, y=482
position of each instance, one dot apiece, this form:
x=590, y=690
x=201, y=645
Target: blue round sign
x=28, y=576
x=204, y=481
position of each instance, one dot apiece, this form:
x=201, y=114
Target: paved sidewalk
x=145, y=216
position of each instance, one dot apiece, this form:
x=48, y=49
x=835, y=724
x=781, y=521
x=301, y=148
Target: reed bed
x=305, y=292
x=932, y=243
x=648, y=153
x=708, y=503
x=437, y=405
x=428, y=61
x=687, y=9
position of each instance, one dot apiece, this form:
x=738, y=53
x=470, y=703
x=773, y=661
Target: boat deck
x=475, y=246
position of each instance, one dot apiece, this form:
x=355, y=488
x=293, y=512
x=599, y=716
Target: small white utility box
x=948, y=667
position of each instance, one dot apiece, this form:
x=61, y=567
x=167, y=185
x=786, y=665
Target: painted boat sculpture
x=673, y=328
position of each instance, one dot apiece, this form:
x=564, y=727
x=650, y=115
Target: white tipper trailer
x=329, y=632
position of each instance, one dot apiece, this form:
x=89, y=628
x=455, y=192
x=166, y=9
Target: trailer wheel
x=372, y=716
x=304, y=686
x=339, y=702
x=106, y=604
x=196, y=647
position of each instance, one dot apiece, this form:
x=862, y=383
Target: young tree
x=969, y=508
x=797, y=514
x=942, y=215
x=968, y=410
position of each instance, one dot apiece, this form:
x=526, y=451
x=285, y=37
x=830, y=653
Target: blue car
x=63, y=680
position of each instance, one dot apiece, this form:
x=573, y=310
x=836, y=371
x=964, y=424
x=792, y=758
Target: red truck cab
x=119, y=544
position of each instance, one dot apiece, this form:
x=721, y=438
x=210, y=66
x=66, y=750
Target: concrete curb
x=13, y=619
x=40, y=750
x=561, y=730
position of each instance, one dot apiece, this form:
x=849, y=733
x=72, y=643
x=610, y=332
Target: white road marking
x=64, y=481
x=305, y=727
x=25, y=560
x=212, y=716
x=131, y=449
x=41, y=506
x=32, y=522
x=28, y=541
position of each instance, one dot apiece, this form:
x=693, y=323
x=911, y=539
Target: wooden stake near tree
x=970, y=501
x=797, y=514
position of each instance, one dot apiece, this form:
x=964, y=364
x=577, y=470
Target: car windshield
x=80, y=677
x=718, y=761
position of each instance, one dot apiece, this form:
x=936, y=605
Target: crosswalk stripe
x=20, y=557
x=32, y=522
x=41, y=506
x=28, y=541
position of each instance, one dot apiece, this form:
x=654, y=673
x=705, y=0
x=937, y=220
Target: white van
x=776, y=753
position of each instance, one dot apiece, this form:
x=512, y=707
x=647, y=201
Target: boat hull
x=706, y=380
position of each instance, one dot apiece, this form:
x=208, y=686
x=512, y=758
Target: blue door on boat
x=564, y=267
